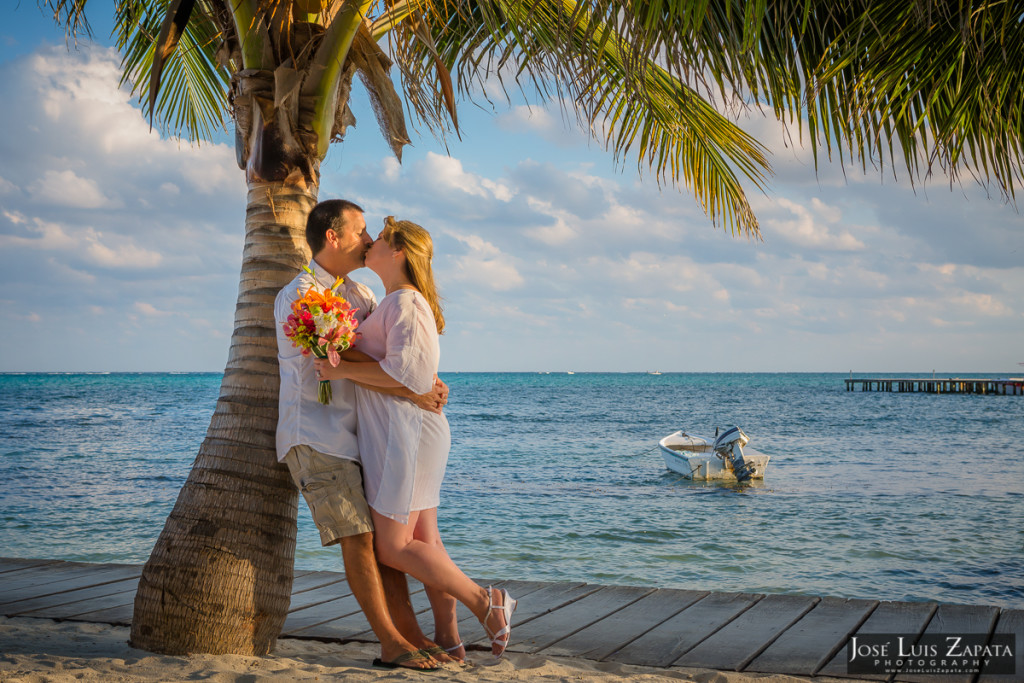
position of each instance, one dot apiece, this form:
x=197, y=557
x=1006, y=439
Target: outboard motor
x=729, y=446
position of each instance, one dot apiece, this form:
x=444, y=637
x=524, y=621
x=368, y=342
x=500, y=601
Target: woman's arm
x=356, y=355
x=434, y=400
x=369, y=373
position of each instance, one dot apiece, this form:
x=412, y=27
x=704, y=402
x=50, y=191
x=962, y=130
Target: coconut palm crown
x=919, y=83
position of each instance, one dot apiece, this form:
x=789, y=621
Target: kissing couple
x=370, y=463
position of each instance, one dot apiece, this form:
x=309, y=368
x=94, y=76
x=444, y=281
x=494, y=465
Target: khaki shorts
x=333, y=489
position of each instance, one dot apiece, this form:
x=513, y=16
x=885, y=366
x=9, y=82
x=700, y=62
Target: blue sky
x=120, y=250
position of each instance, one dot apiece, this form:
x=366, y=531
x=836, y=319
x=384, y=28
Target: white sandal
x=508, y=606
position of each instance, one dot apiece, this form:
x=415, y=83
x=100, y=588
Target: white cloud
x=985, y=304
x=554, y=234
x=123, y=253
x=484, y=265
x=65, y=188
x=810, y=226
x=536, y=120
x=392, y=168
x=37, y=234
x=146, y=308
x=447, y=173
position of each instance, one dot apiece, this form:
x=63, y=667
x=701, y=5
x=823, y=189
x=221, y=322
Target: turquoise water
x=555, y=477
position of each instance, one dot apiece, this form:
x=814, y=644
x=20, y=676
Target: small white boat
x=722, y=458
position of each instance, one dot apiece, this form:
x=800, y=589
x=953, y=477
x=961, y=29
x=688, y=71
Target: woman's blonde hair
x=419, y=251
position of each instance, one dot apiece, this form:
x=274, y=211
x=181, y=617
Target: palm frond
x=921, y=84
x=71, y=15
x=633, y=106
x=944, y=81
x=192, y=98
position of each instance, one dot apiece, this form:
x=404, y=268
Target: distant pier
x=1013, y=386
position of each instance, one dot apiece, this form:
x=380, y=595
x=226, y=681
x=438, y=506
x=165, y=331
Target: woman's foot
x=441, y=655
x=498, y=623
x=456, y=652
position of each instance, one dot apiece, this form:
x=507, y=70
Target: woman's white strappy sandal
x=508, y=606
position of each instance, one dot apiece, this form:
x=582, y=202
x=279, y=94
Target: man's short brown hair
x=328, y=215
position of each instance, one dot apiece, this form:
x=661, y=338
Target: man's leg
x=365, y=581
x=396, y=592
x=333, y=489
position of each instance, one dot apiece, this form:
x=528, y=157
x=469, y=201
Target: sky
x=120, y=249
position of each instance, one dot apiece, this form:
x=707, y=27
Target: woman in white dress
x=404, y=449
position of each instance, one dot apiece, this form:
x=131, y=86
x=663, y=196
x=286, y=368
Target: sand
x=38, y=650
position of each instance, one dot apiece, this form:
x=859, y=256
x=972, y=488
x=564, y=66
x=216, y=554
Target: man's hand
x=435, y=399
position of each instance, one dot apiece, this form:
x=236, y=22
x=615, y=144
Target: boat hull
x=692, y=457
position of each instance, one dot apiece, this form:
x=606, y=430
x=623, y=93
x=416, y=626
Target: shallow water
x=555, y=477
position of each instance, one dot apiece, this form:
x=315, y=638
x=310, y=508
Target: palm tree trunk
x=220, y=576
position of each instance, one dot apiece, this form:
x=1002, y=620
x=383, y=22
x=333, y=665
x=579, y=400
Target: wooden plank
x=310, y=580
x=118, y=615
x=121, y=598
x=552, y=597
x=324, y=613
x=888, y=617
x=68, y=582
x=21, y=607
x=14, y=564
x=1010, y=621
x=811, y=642
x=40, y=576
x=615, y=631
x=955, y=619
x=548, y=629
x=317, y=596
x=666, y=642
x=733, y=646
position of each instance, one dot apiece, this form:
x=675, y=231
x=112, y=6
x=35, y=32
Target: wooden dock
x=1013, y=386
x=798, y=635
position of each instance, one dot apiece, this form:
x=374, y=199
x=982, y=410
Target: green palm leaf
x=632, y=105
x=192, y=98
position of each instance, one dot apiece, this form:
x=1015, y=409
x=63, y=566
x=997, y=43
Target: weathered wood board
x=955, y=619
x=741, y=640
x=810, y=643
x=1010, y=621
x=677, y=635
x=888, y=617
x=61, y=604
x=547, y=629
x=614, y=632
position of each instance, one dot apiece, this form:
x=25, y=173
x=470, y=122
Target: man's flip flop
x=414, y=656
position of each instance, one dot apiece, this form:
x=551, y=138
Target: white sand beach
x=44, y=651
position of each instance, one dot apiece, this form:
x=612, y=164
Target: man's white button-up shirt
x=302, y=419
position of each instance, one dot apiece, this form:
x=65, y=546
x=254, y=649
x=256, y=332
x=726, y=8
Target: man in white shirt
x=318, y=442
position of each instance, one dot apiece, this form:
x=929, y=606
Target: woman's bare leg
x=446, y=622
x=397, y=547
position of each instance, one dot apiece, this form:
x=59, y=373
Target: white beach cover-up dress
x=403, y=448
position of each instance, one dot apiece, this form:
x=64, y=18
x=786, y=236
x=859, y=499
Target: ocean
x=556, y=477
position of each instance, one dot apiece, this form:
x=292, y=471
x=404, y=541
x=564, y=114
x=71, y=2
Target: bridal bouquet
x=322, y=324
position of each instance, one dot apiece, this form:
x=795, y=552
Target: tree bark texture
x=220, y=576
